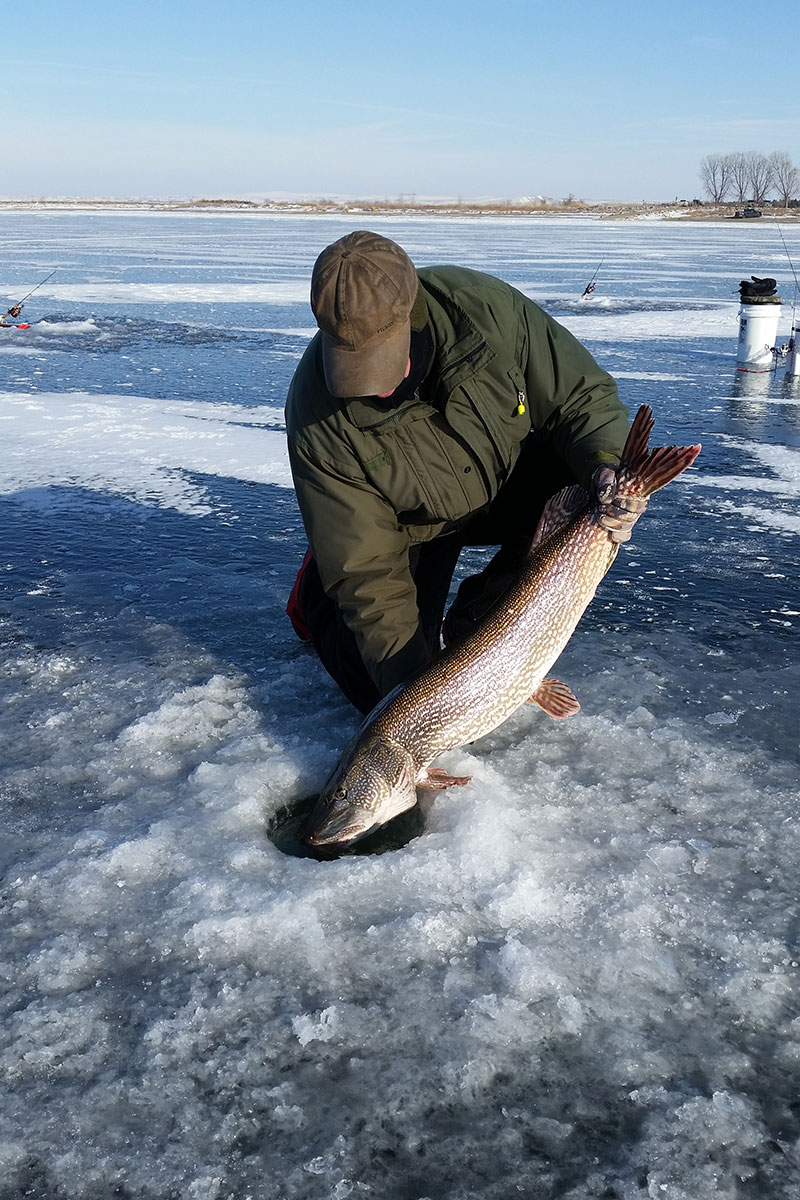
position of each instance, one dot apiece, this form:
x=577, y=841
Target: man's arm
x=362, y=557
x=574, y=403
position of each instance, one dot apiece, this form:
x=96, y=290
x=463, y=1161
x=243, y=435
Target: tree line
x=748, y=175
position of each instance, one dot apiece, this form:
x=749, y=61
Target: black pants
x=509, y=522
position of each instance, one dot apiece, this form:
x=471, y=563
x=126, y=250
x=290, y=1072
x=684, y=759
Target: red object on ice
x=294, y=610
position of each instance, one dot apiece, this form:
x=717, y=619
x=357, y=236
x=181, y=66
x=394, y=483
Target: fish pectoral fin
x=555, y=698
x=438, y=779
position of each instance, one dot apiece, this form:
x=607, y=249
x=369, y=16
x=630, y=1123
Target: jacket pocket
x=427, y=473
x=492, y=414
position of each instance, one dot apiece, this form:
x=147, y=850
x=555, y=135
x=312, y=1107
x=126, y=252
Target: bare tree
x=750, y=176
x=739, y=178
x=785, y=177
x=759, y=175
x=715, y=174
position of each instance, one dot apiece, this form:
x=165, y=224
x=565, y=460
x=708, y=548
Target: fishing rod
x=791, y=264
x=796, y=290
x=587, y=291
x=16, y=309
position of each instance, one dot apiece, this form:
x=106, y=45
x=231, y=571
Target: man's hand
x=617, y=516
x=604, y=485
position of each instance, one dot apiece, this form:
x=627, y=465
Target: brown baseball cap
x=363, y=288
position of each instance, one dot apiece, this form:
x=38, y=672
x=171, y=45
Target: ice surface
x=581, y=979
x=154, y=452
x=126, y=294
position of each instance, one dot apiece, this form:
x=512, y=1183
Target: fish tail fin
x=648, y=470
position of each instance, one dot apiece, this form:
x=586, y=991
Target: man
x=434, y=409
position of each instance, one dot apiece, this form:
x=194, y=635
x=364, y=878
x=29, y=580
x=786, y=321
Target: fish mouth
x=291, y=828
x=332, y=832
x=344, y=839
x=334, y=838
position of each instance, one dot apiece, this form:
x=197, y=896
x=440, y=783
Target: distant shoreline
x=678, y=211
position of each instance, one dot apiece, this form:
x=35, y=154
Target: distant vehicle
x=749, y=211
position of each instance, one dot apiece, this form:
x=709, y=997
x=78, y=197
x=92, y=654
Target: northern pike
x=475, y=684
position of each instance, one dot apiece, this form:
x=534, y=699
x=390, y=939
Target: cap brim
x=374, y=371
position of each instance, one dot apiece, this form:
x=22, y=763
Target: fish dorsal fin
x=559, y=509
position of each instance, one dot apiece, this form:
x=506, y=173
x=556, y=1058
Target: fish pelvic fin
x=555, y=698
x=560, y=509
x=644, y=471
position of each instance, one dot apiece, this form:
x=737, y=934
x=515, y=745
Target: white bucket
x=758, y=330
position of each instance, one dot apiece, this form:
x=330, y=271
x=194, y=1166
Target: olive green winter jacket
x=372, y=480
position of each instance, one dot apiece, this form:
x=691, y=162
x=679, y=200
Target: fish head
x=369, y=786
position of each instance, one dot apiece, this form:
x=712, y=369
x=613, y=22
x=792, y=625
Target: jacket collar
x=461, y=351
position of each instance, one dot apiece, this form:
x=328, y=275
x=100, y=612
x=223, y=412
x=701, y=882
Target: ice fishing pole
x=16, y=309
x=587, y=291
x=791, y=264
x=792, y=347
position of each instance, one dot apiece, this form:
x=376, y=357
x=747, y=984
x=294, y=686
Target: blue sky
x=614, y=100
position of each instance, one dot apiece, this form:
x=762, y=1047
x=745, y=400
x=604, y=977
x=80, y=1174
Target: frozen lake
x=581, y=979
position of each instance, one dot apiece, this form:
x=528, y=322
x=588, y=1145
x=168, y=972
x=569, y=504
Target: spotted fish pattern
x=475, y=684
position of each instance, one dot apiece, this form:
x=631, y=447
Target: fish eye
x=340, y=793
